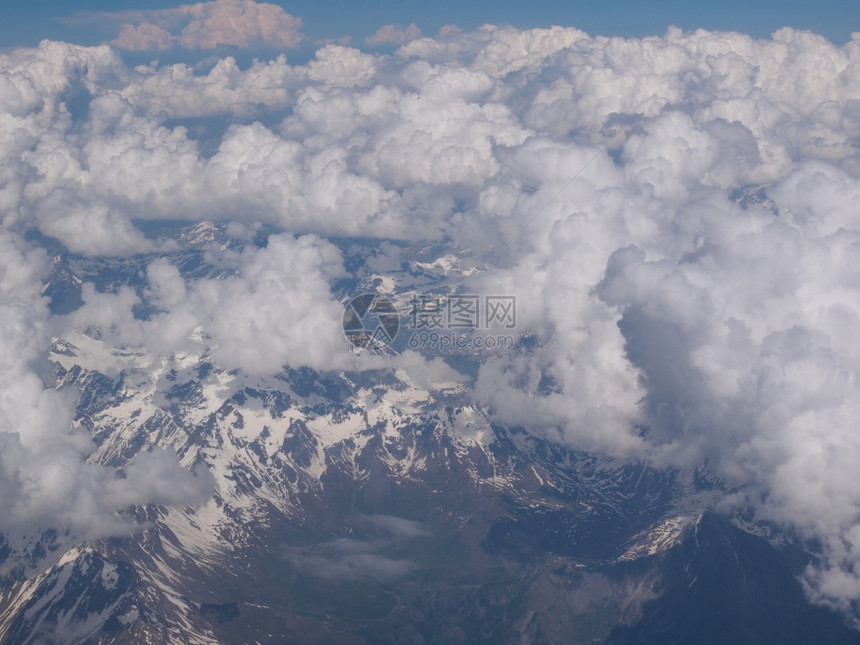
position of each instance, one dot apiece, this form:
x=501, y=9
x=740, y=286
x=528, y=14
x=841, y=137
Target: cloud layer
x=676, y=216
x=44, y=480
x=394, y=35
x=208, y=25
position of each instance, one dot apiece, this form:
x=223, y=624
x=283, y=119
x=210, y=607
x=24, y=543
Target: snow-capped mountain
x=362, y=506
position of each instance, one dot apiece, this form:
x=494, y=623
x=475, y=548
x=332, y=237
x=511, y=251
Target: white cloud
x=337, y=66
x=510, y=50
x=144, y=37
x=394, y=35
x=175, y=91
x=90, y=229
x=19, y=96
x=206, y=25
x=276, y=310
x=656, y=298
x=281, y=311
x=44, y=481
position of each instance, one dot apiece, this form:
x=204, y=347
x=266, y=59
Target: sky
x=600, y=181
x=28, y=23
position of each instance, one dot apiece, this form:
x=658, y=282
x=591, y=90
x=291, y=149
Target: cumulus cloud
x=224, y=89
x=45, y=482
x=207, y=25
x=676, y=216
x=338, y=66
x=275, y=310
x=144, y=37
x=90, y=229
x=394, y=35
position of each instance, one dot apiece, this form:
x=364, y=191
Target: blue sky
x=28, y=23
